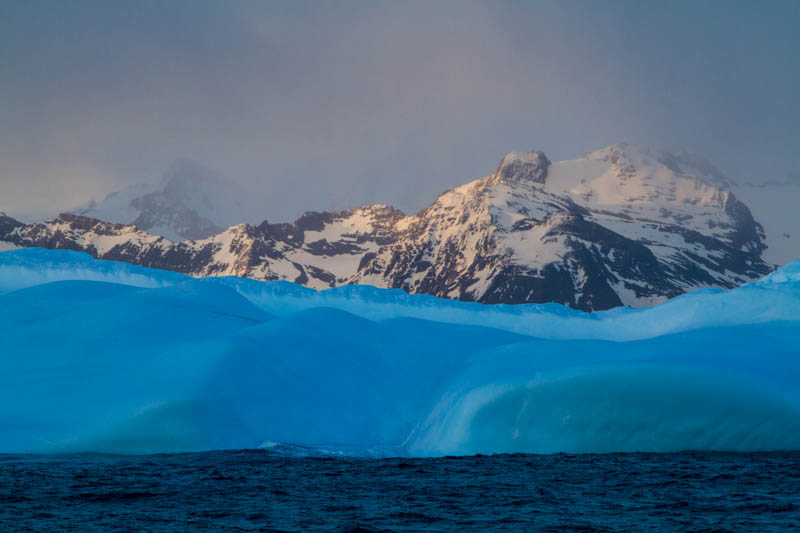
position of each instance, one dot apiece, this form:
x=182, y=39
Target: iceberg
x=100, y=356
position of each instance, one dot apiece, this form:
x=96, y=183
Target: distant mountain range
x=623, y=225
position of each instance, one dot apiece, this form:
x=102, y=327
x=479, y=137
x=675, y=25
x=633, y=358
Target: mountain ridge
x=619, y=226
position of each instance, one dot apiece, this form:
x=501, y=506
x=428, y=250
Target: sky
x=327, y=105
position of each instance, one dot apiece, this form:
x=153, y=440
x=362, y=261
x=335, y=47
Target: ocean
x=280, y=490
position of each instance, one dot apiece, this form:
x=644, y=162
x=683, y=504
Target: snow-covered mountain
x=320, y=250
x=189, y=202
x=619, y=226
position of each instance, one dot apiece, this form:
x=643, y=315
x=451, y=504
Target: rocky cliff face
x=619, y=226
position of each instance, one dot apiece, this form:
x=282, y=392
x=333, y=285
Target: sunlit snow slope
x=106, y=356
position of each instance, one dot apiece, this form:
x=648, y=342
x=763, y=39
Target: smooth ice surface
x=105, y=356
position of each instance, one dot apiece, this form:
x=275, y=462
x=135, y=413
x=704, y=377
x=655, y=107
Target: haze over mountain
x=190, y=202
x=774, y=205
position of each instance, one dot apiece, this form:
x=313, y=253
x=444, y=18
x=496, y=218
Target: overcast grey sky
x=319, y=105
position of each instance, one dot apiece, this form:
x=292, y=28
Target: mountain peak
x=189, y=202
x=523, y=167
x=696, y=165
x=630, y=158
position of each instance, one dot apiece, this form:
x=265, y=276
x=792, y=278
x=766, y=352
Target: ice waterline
x=105, y=356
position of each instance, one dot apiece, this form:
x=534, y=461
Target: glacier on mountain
x=105, y=356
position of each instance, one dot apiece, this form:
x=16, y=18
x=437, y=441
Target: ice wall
x=104, y=356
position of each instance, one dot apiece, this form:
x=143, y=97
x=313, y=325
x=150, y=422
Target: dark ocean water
x=269, y=491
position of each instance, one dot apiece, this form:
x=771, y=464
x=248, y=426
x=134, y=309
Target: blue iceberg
x=109, y=357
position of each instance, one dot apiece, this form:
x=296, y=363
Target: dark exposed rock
x=7, y=227
x=528, y=166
